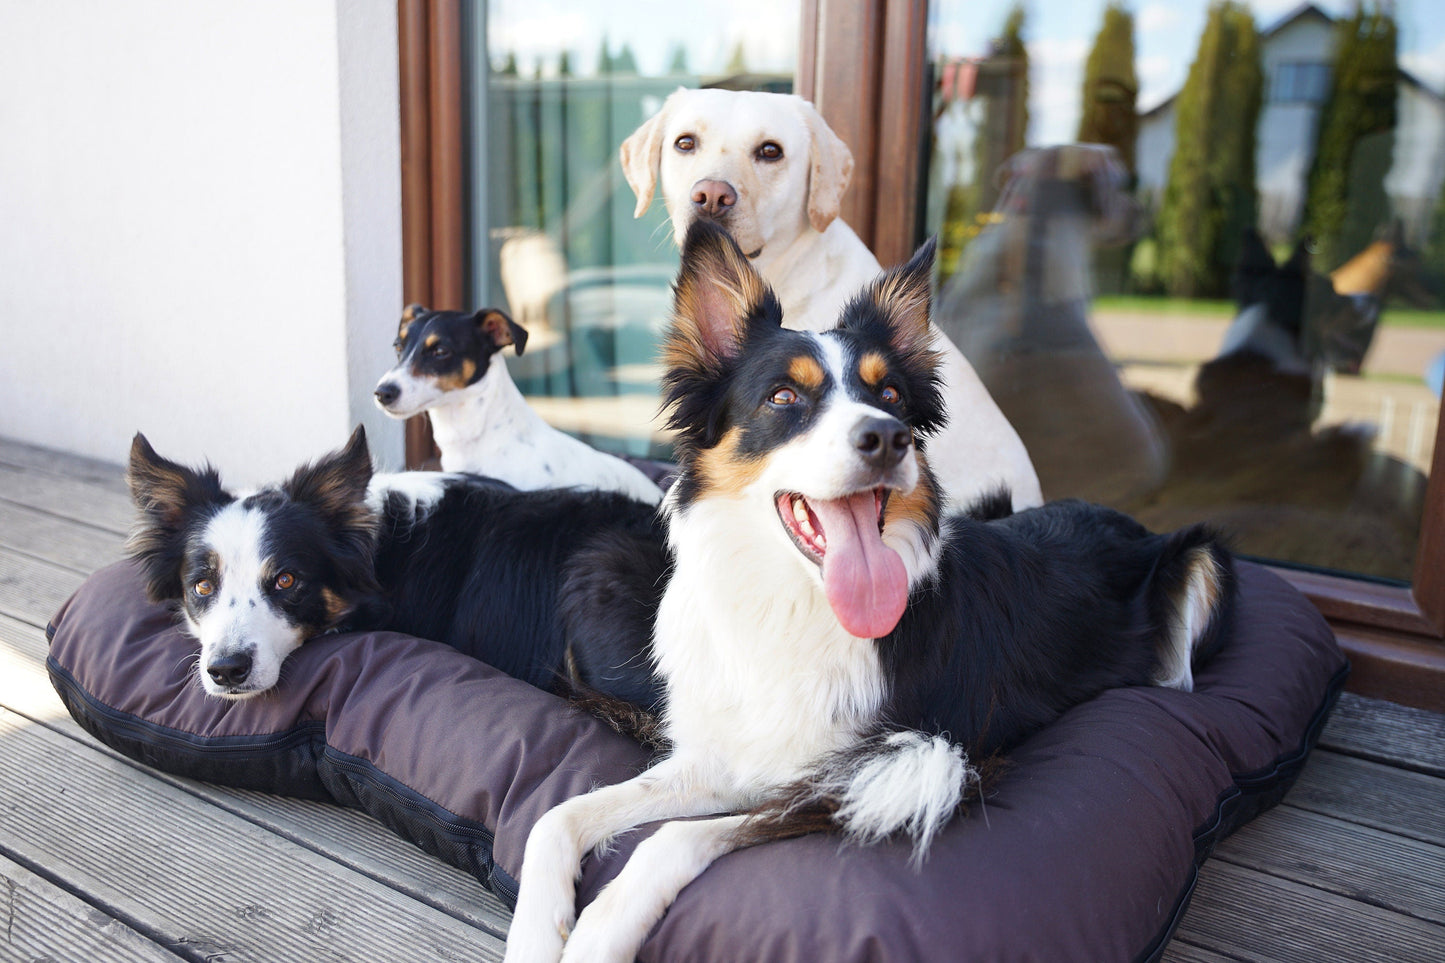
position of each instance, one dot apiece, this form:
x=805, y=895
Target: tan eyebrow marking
x=806, y=371
x=872, y=368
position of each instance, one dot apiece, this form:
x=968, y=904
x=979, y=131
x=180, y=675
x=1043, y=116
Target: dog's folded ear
x=830, y=168
x=641, y=156
x=501, y=329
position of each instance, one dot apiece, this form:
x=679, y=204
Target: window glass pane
x=1232, y=311
x=554, y=87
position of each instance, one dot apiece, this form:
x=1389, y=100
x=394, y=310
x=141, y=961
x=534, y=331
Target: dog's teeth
x=800, y=513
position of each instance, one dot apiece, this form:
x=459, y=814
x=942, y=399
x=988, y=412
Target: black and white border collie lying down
x=449, y=364
x=826, y=637
x=559, y=588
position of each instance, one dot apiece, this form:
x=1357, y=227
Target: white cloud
x=1156, y=17
x=1056, y=74
x=1427, y=65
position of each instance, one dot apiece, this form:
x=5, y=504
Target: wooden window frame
x=860, y=61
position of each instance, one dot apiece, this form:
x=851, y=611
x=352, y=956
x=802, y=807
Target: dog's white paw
x=539, y=939
x=546, y=902
x=604, y=934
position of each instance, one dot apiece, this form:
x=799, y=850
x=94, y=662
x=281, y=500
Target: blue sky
x=1058, y=32
x=1166, y=32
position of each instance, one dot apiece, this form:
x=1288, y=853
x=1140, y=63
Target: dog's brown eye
x=285, y=580
x=784, y=396
x=439, y=351
x=889, y=394
x=685, y=144
x=204, y=587
x=770, y=151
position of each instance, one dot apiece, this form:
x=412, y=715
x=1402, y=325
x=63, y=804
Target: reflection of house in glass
x=1297, y=51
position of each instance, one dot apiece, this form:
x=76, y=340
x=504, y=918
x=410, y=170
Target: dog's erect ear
x=830, y=169
x=641, y=156
x=167, y=496
x=335, y=485
x=501, y=329
x=166, y=492
x=903, y=296
x=409, y=314
x=716, y=296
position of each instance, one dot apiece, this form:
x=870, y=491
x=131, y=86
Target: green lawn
x=1223, y=310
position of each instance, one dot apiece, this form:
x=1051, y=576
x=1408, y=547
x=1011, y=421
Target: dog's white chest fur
x=760, y=682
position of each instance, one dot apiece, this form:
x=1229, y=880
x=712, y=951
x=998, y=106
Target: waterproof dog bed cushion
x=1087, y=848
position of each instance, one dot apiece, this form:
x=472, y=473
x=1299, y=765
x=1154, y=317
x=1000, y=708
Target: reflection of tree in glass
x=1345, y=195
x=1210, y=198
x=1111, y=86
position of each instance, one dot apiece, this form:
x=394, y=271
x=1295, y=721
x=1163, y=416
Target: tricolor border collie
x=558, y=588
x=449, y=364
x=826, y=635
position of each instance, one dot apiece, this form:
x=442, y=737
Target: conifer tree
x=1210, y=196
x=1111, y=86
x=1345, y=200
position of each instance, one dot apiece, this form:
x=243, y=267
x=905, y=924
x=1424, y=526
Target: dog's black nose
x=714, y=198
x=882, y=441
x=229, y=670
x=387, y=392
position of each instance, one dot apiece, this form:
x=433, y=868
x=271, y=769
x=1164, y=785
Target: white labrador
x=769, y=169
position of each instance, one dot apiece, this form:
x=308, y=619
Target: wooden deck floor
x=103, y=859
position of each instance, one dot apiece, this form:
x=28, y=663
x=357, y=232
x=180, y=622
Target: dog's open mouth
x=865, y=580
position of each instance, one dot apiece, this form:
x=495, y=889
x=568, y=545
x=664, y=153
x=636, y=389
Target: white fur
x=814, y=264
x=241, y=617
x=488, y=428
x=421, y=489
x=913, y=787
x=1192, y=613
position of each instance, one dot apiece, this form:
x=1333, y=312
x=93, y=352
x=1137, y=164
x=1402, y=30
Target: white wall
x=199, y=227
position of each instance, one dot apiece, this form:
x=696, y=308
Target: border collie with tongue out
x=832, y=648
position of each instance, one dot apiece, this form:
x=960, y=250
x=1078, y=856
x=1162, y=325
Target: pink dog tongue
x=865, y=580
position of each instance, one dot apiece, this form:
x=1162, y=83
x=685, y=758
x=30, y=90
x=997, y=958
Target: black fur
x=526, y=581
x=1032, y=613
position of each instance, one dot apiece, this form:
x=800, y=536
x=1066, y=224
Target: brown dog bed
x=1086, y=849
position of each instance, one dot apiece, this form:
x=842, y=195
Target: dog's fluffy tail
x=1194, y=589
x=888, y=784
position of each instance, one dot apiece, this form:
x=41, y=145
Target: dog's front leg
x=612, y=929
x=546, y=901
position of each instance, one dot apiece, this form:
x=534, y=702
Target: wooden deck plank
x=1344, y=858
x=1249, y=915
x=44, y=922
x=1179, y=951
x=1386, y=732
x=1371, y=794
x=67, y=497
x=201, y=877
x=33, y=590
x=75, y=545
x=105, y=475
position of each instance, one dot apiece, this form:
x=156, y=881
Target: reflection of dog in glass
x=770, y=171
x=1019, y=307
x=1248, y=453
